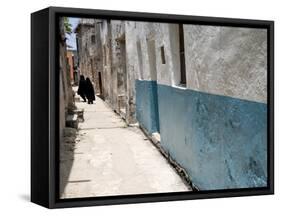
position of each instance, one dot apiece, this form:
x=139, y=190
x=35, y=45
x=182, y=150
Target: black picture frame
x=45, y=102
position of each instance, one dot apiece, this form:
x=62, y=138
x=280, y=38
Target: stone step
x=77, y=98
x=80, y=114
x=72, y=121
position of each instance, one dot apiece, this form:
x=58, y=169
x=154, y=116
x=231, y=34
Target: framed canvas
x=138, y=107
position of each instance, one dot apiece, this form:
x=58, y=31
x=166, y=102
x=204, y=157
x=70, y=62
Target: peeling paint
x=147, y=105
x=220, y=141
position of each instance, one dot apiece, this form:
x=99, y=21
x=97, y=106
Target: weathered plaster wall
x=117, y=29
x=167, y=37
x=118, y=74
x=227, y=61
x=132, y=70
x=89, y=50
x=218, y=132
x=105, y=37
x=147, y=105
x=95, y=50
x=220, y=141
x=215, y=127
x=85, y=30
x=141, y=61
x=65, y=91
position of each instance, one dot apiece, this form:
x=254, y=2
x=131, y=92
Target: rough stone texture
x=142, y=35
x=147, y=62
x=227, y=61
x=105, y=38
x=117, y=85
x=66, y=94
x=89, y=49
x=118, y=70
x=143, y=42
x=220, y=141
x=167, y=36
x=132, y=70
x=72, y=121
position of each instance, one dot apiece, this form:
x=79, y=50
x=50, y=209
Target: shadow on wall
x=147, y=105
x=220, y=141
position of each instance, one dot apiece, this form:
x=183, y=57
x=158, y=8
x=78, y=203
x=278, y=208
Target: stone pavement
x=109, y=158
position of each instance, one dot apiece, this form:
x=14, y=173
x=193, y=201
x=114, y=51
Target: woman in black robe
x=82, y=88
x=90, y=92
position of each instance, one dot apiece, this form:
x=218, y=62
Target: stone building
x=201, y=88
x=70, y=61
x=88, y=48
x=66, y=93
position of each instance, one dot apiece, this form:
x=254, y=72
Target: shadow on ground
x=25, y=197
x=66, y=157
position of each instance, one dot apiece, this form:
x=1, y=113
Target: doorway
x=182, y=56
x=122, y=77
x=100, y=85
x=153, y=75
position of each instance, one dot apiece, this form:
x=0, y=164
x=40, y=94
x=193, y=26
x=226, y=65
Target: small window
x=93, y=39
x=104, y=54
x=182, y=57
x=163, y=55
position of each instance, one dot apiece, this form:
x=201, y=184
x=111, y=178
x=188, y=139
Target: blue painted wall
x=147, y=105
x=220, y=141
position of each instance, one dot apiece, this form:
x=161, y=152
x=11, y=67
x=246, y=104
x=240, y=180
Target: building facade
x=72, y=60
x=88, y=49
x=202, y=88
x=66, y=93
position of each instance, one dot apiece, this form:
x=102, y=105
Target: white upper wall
x=167, y=39
x=227, y=61
x=143, y=44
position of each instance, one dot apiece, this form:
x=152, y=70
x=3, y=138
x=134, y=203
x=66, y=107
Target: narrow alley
x=172, y=83
x=110, y=158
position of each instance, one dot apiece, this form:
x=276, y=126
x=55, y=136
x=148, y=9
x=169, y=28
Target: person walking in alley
x=90, y=91
x=82, y=88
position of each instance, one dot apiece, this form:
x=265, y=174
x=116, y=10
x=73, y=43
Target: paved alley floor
x=109, y=158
